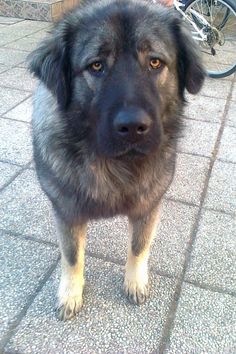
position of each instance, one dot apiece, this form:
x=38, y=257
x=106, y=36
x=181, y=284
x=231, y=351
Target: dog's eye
x=155, y=63
x=96, y=68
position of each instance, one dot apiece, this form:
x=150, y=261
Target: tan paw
x=70, y=297
x=137, y=291
x=68, y=308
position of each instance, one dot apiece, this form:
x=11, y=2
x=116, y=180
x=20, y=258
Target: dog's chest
x=117, y=189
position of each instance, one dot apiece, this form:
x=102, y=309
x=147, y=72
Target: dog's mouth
x=132, y=153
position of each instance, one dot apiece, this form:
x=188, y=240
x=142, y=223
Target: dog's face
x=119, y=71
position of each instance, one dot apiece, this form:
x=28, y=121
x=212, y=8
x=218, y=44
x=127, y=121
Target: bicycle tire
x=231, y=6
x=225, y=19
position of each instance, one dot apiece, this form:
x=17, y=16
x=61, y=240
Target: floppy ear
x=50, y=62
x=189, y=64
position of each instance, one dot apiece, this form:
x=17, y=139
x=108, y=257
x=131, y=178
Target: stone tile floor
x=192, y=308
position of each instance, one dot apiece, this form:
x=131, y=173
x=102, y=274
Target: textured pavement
x=192, y=308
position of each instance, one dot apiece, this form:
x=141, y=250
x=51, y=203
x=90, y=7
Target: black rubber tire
x=232, y=4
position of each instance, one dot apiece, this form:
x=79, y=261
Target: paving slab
x=173, y=237
x=23, y=64
x=25, y=209
x=205, y=323
x=40, y=34
x=216, y=88
x=234, y=92
x=213, y=260
x=16, y=146
x=221, y=192
x=9, y=20
x=23, y=264
x=12, y=57
x=107, y=323
x=202, y=108
x=32, y=26
x=7, y=172
x=190, y=175
x=108, y=238
x=231, y=115
x=32, y=165
x=15, y=137
x=9, y=98
x=3, y=68
x=198, y=137
x=27, y=44
x=227, y=149
x=8, y=37
x=22, y=112
x=25, y=27
x=18, y=78
x=21, y=29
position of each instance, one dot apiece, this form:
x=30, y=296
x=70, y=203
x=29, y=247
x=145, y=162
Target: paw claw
x=69, y=309
x=136, y=293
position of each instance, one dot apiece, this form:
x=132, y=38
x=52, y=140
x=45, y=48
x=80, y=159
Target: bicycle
x=213, y=25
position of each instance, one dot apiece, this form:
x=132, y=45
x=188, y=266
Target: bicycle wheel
x=216, y=19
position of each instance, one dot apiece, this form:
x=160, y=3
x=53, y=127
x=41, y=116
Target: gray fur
x=84, y=169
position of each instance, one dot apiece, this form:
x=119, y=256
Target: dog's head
x=118, y=70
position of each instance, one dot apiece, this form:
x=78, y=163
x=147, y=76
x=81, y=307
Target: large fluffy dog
x=107, y=114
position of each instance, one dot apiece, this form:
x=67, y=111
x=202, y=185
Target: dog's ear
x=189, y=64
x=50, y=62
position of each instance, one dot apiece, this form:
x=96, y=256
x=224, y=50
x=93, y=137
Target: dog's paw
x=68, y=308
x=70, y=297
x=137, y=291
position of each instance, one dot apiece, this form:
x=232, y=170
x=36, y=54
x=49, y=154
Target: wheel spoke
x=221, y=33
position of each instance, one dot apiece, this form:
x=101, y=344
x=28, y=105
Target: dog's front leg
x=72, y=245
x=142, y=232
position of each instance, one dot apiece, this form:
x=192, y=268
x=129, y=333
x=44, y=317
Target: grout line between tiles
x=193, y=154
x=7, y=162
x=24, y=36
x=195, y=205
x=26, y=237
x=201, y=120
x=16, y=120
x=14, y=106
x=18, y=173
x=15, y=323
x=215, y=289
x=18, y=89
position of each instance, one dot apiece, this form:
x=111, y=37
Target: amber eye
x=97, y=66
x=155, y=63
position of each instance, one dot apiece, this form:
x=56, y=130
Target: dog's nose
x=132, y=124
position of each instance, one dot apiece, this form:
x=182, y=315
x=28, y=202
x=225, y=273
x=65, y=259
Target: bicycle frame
x=199, y=35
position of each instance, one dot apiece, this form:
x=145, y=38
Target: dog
x=106, y=120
